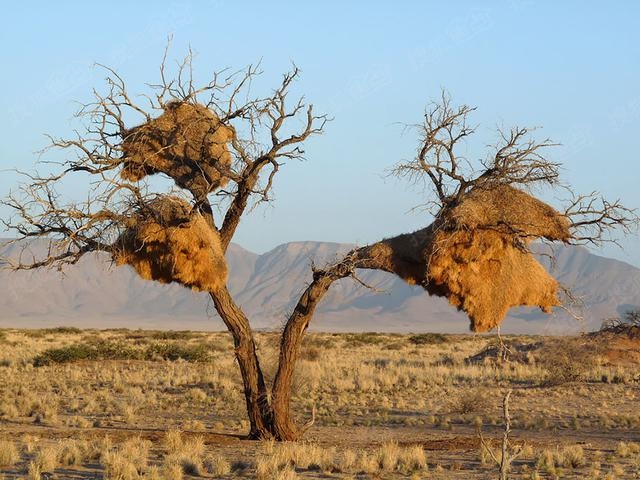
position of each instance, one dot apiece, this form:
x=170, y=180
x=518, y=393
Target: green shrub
x=34, y=333
x=366, y=338
x=42, y=332
x=174, y=335
x=71, y=353
x=173, y=352
x=62, y=330
x=110, y=350
x=87, y=351
x=428, y=339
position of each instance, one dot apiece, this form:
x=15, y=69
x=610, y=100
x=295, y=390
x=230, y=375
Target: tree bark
x=273, y=419
x=255, y=390
x=373, y=257
x=283, y=423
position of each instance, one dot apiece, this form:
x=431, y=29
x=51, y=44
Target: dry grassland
x=168, y=405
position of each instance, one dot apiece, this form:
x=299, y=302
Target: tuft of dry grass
x=46, y=458
x=627, y=449
x=217, y=465
x=72, y=452
x=34, y=471
x=172, y=470
x=413, y=459
x=173, y=440
x=127, y=461
x=186, y=452
x=9, y=454
x=388, y=456
x=571, y=456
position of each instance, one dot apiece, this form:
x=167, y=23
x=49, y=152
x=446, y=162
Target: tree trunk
x=255, y=390
x=283, y=424
x=273, y=419
x=284, y=427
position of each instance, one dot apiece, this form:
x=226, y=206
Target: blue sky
x=571, y=67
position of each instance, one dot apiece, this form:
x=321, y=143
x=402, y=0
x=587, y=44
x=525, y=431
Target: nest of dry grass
x=168, y=242
x=476, y=254
x=508, y=211
x=187, y=142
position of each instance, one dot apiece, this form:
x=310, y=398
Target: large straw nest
x=187, y=142
x=509, y=211
x=483, y=273
x=168, y=242
x=475, y=254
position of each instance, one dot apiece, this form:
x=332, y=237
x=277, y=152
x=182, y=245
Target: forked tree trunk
x=270, y=419
x=273, y=419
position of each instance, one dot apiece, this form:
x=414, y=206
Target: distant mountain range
x=95, y=293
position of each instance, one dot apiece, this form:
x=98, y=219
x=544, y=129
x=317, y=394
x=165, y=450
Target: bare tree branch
x=516, y=159
x=443, y=129
x=264, y=138
x=595, y=219
x=274, y=113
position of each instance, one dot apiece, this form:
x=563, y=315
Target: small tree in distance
x=222, y=149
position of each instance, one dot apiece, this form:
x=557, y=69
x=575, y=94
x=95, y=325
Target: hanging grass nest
x=187, y=142
x=168, y=242
x=476, y=254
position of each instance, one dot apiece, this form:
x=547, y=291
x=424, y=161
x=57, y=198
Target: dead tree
x=221, y=148
x=508, y=452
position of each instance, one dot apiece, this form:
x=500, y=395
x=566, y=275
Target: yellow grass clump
x=187, y=142
x=476, y=255
x=168, y=242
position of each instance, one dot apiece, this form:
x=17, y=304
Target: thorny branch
x=266, y=135
x=516, y=159
x=594, y=219
x=508, y=453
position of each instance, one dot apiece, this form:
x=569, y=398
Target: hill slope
x=95, y=293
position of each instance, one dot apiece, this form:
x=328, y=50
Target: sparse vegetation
x=392, y=413
x=567, y=361
x=97, y=351
x=473, y=401
x=9, y=454
x=428, y=339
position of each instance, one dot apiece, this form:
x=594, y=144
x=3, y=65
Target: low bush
x=174, y=335
x=567, y=360
x=428, y=339
x=42, y=332
x=366, y=338
x=112, y=350
x=9, y=454
x=87, y=351
x=474, y=401
x=172, y=351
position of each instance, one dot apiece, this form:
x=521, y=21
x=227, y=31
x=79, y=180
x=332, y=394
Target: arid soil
x=126, y=404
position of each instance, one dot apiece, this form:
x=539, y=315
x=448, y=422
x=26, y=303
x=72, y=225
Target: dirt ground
x=135, y=404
